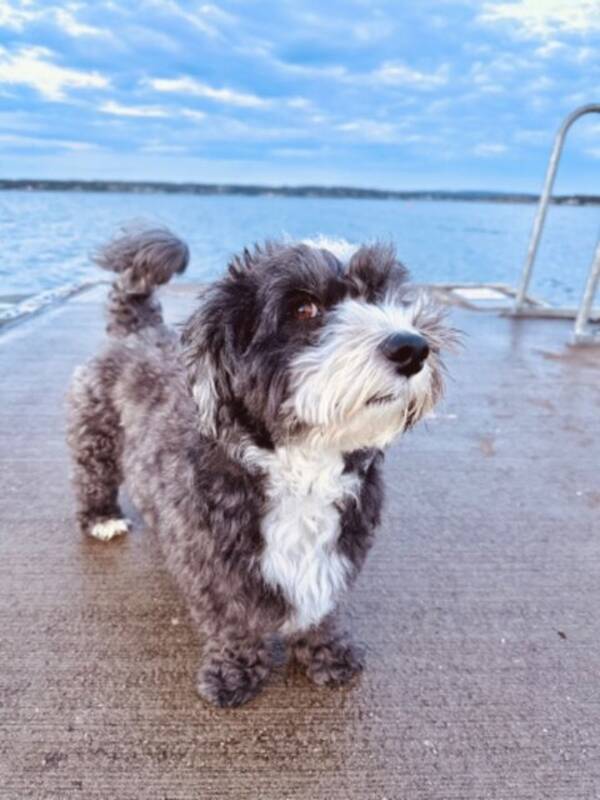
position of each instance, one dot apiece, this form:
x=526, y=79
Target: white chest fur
x=301, y=529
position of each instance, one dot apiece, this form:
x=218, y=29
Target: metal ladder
x=523, y=306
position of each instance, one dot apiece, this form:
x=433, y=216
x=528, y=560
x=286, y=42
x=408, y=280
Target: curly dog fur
x=252, y=443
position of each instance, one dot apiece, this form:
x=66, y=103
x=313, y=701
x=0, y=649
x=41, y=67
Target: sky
x=429, y=94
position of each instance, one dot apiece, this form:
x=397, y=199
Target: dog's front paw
x=107, y=529
x=229, y=682
x=334, y=663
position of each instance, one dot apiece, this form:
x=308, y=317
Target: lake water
x=47, y=237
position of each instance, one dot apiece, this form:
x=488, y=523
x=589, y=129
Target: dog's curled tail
x=143, y=259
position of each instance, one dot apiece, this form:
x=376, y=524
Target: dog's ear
x=375, y=271
x=214, y=339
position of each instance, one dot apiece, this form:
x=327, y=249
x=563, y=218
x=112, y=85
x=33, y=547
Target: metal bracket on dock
x=585, y=313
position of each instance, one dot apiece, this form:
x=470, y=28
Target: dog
x=252, y=441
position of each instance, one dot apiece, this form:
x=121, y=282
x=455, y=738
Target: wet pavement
x=479, y=605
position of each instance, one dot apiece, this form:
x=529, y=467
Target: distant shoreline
x=334, y=192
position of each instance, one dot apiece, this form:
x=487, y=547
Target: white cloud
x=440, y=106
x=212, y=11
x=192, y=113
x=389, y=73
x=333, y=71
x=567, y=52
x=163, y=148
x=549, y=48
x=369, y=130
x=364, y=26
x=587, y=131
x=545, y=18
x=490, y=149
x=533, y=137
x=369, y=31
x=235, y=129
x=294, y=152
x=501, y=73
x=300, y=103
x=67, y=22
x=205, y=18
x=579, y=98
x=540, y=84
x=191, y=86
x=593, y=151
x=13, y=140
x=226, y=128
x=19, y=121
x=119, y=110
x=583, y=55
x=16, y=17
x=33, y=67
x=395, y=73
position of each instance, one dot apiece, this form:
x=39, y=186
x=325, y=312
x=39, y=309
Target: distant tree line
x=152, y=187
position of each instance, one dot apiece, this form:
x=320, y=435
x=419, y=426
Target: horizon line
x=283, y=190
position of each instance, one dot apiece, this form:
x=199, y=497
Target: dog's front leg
x=235, y=667
x=327, y=654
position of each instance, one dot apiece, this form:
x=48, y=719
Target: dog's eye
x=307, y=309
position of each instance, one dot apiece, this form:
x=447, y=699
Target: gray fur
x=189, y=426
x=144, y=258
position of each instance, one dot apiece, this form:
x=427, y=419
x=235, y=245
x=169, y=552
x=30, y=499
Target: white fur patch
x=205, y=395
x=342, y=249
x=301, y=529
x=105, y=531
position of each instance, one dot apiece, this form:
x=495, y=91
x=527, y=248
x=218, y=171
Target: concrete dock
x=479, y=605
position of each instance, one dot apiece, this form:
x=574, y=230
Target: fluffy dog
x=252, y=443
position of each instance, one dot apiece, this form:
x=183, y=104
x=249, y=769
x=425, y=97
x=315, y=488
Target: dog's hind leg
x=95, y=439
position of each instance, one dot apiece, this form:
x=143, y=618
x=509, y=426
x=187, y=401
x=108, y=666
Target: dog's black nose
x=407, y=351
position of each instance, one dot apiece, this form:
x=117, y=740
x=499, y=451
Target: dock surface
x=479, y=605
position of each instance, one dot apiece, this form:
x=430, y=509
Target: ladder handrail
x=585, y=309
x=540, y=217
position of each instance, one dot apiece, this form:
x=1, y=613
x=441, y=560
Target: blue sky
x=446, y=94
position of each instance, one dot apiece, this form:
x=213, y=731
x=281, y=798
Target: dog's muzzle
x=407, y=352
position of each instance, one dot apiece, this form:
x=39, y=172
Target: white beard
x=346, y=391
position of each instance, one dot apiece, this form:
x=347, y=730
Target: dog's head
x=295, y=344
